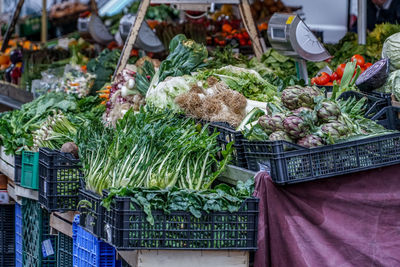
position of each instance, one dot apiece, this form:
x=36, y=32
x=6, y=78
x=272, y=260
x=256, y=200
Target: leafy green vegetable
x=142, y=82
x=16, y=127
x=221, y=198
x=390, y=50
x=158, y=12
x=223, y=56
x=164, y=94
x=103, y=67
x=150, y=148
x=393, y=84
x=350, y=75
x=185, y=57
x=348, y=46
x=246, y=81
x=283, y=66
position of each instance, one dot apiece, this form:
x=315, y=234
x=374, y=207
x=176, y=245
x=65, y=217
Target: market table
x=351, y=220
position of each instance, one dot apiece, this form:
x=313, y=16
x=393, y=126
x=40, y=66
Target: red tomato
x=340, y=69
x=367, y=65
x=360, y=61
x=318, y=81
x=324, y=78
x=335, y=76
x=329, y=84
x=313, y=81
x=242, y=42
x=245, y=35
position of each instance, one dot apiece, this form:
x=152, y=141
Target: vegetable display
x=150, y=148
x=348, y=46
x=147, y=134
x=328, y=80
x=310, y=120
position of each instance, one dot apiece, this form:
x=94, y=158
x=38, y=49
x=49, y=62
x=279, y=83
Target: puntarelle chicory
x=150, y=148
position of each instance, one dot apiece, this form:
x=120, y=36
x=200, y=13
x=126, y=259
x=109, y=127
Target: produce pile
x=328, y=79
x=146, y=135
x=152, y=148
x=18, y=127
x=348, y=46
x=391, y=51
x=310, y=120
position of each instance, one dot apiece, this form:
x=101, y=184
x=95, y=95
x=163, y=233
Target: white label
x=47, y=248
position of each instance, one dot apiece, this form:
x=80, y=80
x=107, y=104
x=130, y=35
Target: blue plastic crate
x=7, y=235
x=88, y=250
x=18, y=235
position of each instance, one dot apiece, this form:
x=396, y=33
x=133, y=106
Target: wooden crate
x=6, y=164
x=62, y=222
x=26, y=193
x=184, y=258
x=11, y=192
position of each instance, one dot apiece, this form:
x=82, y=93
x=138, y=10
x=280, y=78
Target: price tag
x=290, y=20
x=47, y=248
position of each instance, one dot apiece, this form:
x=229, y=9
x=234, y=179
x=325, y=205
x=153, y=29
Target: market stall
x=146, y=137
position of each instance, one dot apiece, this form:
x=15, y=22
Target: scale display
x=289, y=35
x=278, y=33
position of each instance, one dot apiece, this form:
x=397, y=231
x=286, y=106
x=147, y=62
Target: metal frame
x=233, y=2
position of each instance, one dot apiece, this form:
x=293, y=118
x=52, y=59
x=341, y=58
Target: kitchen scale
x=93, y=27
x=288, y=34
x=147, y=39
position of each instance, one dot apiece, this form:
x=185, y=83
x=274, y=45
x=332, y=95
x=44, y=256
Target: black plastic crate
x=226, y=135
x=389, y=117
x=7, y=235
x=17, y=169
x=91, y=211
x=385, y=96
x=127, y=228
x=64, y=256
x=289, y=163
x=374, y=103
x=59, y=175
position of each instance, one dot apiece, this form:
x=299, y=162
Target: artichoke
x=295, y=127
x=335, y=129
x=296, y=96
x=329, y=111
x=280, y=135
x=304, y=111
x=310, y=141
x=272, y=124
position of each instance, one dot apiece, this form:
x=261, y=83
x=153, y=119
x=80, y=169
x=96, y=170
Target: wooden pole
x=93, y=7
x=133, y=34
x=11, y=26
x=250, y=26
x=43, y=37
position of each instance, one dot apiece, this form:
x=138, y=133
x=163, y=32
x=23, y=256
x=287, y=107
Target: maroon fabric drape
x=351, y=220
